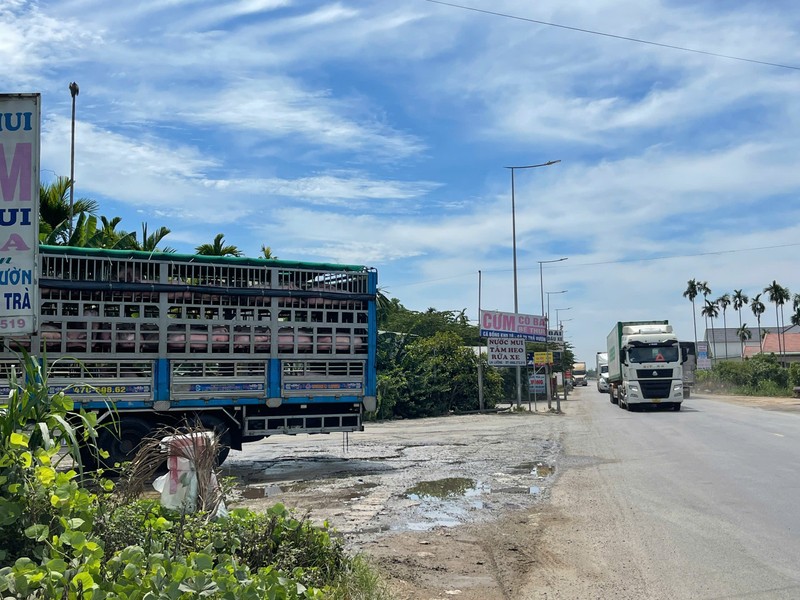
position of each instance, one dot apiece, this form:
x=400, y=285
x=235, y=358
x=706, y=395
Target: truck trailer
x=247, y=347
x=579, y=374
x=645, y=365
x=602, y=372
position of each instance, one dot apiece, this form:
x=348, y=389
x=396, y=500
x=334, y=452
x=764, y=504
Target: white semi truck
x=579, y=374
x=602, y=372
x=645, y=365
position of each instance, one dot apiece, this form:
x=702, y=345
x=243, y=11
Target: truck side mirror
x=684, y=354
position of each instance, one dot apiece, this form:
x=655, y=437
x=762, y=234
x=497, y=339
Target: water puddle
x=519, y=489
x=442, y=489
x=260, y=491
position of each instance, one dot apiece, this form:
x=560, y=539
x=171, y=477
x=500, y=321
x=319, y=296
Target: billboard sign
x=532, y=328
x=555, y=335
x=536, y=384
x=20, y=117
x=703, y=360
x=506, y=352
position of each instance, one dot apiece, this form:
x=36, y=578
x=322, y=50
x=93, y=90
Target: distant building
x=724, y=344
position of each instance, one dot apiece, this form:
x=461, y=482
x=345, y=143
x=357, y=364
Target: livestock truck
x=602, y=372
x=645, y=365
x=249, y=347
x=579, y=374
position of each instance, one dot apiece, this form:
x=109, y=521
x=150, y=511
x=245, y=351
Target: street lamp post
x=514, y=249
x=546, y=342
x=558, y=309
x=541, y=289
x=73, y=90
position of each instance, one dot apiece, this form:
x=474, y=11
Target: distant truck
x=579, y=374
x=689, y=355
x=645, y=365
x=602, y=372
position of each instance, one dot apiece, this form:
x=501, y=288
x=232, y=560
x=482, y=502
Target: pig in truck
x=645, y=365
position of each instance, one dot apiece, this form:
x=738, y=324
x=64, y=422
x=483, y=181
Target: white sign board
x=703, y=360
x=536, y=384
x=20, y=116
x=506, y=352
x=555, y=335
x=532, y=328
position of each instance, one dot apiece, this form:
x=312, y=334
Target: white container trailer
x=645, y=365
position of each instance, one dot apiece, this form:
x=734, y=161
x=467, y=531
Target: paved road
x=704, y=503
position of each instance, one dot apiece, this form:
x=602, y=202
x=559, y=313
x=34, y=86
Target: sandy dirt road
x=474, y=507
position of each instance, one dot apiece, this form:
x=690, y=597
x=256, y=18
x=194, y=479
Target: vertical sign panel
x=20, y=116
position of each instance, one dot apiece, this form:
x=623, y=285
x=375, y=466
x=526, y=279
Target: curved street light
x=514, y=249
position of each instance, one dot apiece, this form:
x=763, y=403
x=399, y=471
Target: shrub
x=63, y=535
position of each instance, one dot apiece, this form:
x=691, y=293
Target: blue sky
x=376, y=133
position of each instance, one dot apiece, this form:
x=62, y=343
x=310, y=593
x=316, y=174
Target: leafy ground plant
x=67, y=535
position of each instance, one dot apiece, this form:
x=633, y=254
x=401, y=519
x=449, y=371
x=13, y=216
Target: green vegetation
x=67, y=534
x=761, y=375
x=427, y=366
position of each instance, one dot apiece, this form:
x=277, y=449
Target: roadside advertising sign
x=536, y=384
x=703, y=360
x=532, y=328
x=505, y=352
x=555, y=335
x=543, y=358
x=20, y=117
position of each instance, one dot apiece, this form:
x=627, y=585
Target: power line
x=618, y=37
x=611, y=262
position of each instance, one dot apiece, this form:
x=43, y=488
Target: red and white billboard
x=20, y=117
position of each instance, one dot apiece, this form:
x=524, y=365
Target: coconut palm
x=54, y=209
x=724, y=302
x=218, y=248
x=758, y=308
x=740, y=300
x=266, y=251
x=702, y=288
x=151, y=241
x=795, y=318
x=779, y=295
x=744, y=334
x=691, y=293
x=711, y=311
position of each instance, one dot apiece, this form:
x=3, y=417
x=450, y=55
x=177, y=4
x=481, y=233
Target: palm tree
x=795, y=318
x=743, y=333
x=150, y=242
x=266, y=251
x=724, y=302
x=702, y=288
x=218, y=248
x=691, y=293
x=711, y=311
x=740, y=299
x=54, y=209
x=779, y=295
x=758, y=308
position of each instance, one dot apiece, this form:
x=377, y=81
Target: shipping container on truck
x=249, y=347
x=645, y=365
x=602, y=372
x=579, y=374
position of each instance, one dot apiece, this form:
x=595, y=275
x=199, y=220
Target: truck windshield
x=653, y=354
x=604, y=369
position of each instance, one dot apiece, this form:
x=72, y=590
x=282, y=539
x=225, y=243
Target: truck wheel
x=122, y=444
x=676, y=406
x=611, y=397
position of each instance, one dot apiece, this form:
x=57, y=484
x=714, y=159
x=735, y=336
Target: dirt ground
x=449, y=507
